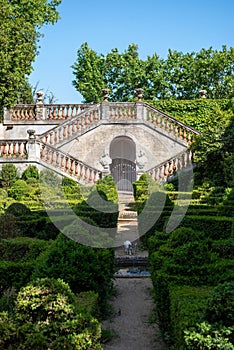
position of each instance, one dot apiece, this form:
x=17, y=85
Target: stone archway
x=123, y=167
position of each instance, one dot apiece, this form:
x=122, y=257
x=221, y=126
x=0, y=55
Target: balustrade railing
x=74, y=126
x=170, y=124
x=170, y=167
x=56, y=112
x=120, y=111
x=13, y=149
x=64, y=111
x=23, y=112
x=69, y=165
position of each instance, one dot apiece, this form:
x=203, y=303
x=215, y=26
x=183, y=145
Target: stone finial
x=40, y=97
x=203, y=93
x=105, y=93
x=31, y=134
x=139, y=93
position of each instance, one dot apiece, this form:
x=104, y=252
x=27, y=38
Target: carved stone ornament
x=40, y=97
x=31, y=134
x=139, y=93
x=141, y=160
x=203, y=93
x=105, y=161
x=105, y=93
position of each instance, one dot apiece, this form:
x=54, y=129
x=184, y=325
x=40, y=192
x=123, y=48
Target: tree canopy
x=20, y=23
x=179, y=76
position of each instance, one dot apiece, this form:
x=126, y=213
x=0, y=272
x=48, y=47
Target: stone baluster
x=62, y=158
x=10, y=149
x=43, y=152
x=77, y=169
x=15, y=149
x=64, y=132
x=78, y=126
x=57, y=159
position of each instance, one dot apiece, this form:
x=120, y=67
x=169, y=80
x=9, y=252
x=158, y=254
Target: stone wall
x=156, y=146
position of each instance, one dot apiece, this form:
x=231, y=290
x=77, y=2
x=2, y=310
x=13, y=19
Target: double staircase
x=71, y=121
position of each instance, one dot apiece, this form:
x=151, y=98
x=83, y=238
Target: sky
x=154, y=25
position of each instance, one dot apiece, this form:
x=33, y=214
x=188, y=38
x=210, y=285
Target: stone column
x=40, y=109
x=105, y=110
x=33, y=146
x=140, y=108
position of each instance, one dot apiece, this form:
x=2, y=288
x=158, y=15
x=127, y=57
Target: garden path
x=133, y=308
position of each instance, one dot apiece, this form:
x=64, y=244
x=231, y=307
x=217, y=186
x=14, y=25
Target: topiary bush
x=47, y=316
x=83, y=267
x=30, y=172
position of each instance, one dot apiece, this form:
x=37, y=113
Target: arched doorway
x=123, y=167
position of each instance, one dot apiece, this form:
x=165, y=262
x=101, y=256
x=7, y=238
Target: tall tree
x=179, y=76
x=20, y=23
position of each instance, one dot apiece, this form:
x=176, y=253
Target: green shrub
x=14, y=274
x=9, y=226
x=84, y=268
x=46, y=316
x=206, y=337
x=186, y=310
x=22, y=248
x=8, y=175
x=220, y=305
x=212, y=226
x=19, y=190
x=30, y=172
x=18, y=210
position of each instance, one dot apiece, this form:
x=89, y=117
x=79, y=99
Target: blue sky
x=154, y=25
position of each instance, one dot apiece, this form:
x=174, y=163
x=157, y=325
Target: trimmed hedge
x=187, y=306
x=14, y=274
x=213, y=227
x=22, y=248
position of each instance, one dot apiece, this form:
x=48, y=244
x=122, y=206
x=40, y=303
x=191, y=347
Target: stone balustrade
x=75, y=126
x=163, y=171
x=169, y=124
x=48, y=112
x=122, y=111
x=64, y=111
x=68, y=165
x=11, y=149
x=23, y=112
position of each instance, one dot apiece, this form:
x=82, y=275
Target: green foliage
x=19, y=190
x=20, y=23
x=14, y=274
x=30, y=172
x=50, y=178
x=186, y=310
x=22, y=248
x=107, y=187
x=84, y=268
x=205, y=337
x=9, y=226
x=179, y=76
x=8, y=175
x=46, y=316
x=220, y=305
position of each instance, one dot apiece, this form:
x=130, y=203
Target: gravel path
x=133, y=309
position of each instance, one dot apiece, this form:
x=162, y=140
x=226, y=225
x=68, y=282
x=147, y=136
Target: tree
x=179, y=76
x=8, y=175
x=20, y=23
